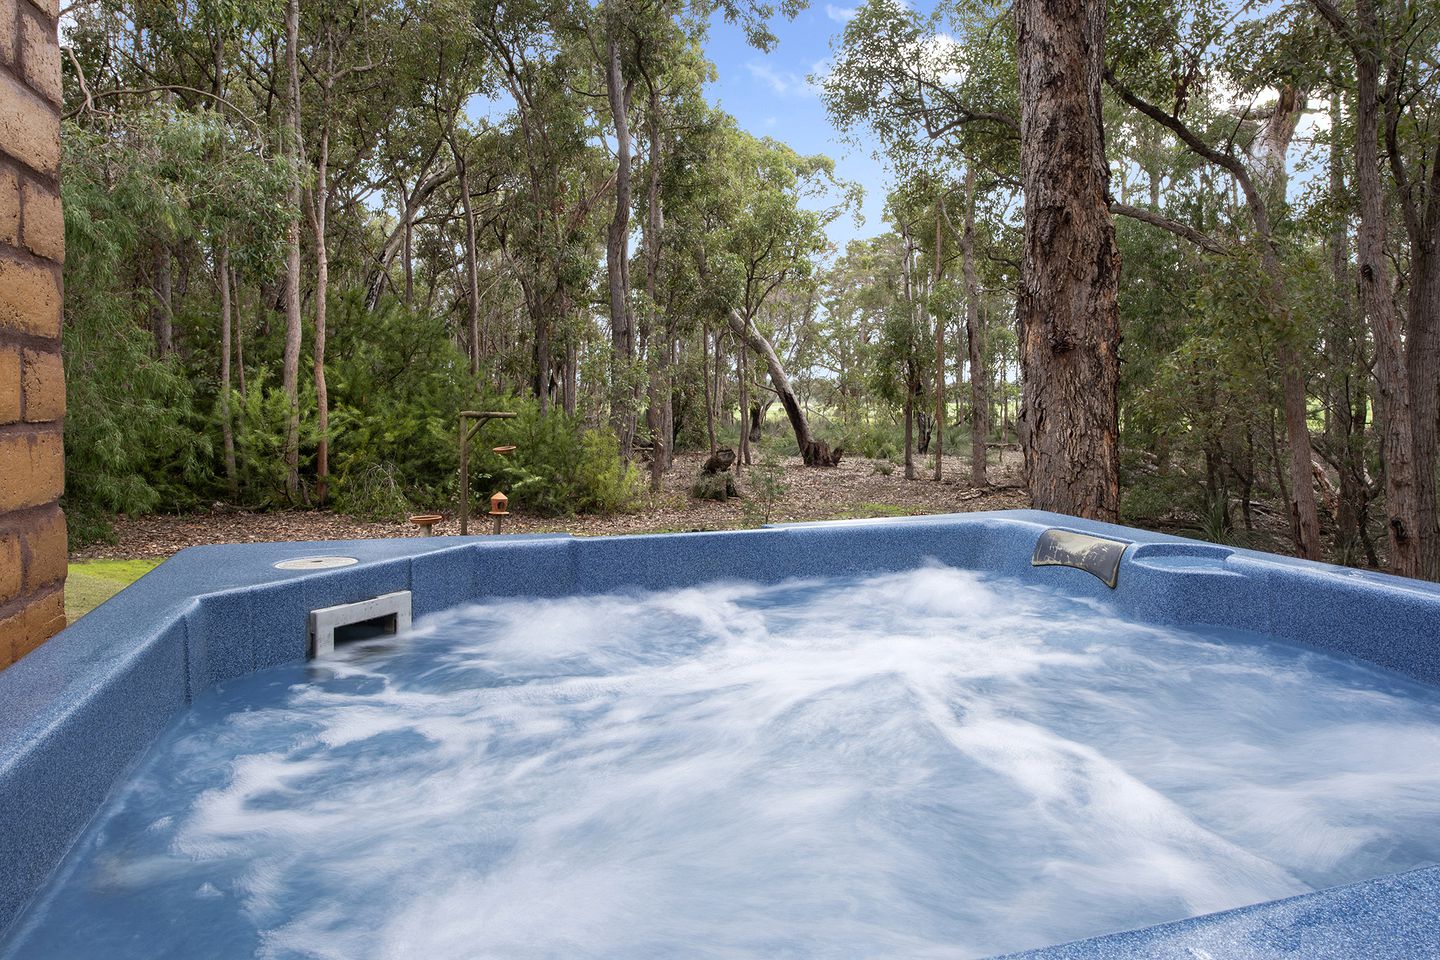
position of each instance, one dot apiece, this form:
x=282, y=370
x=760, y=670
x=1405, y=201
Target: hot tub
x=934, y=736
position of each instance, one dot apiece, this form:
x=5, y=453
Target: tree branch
x=1202, y=240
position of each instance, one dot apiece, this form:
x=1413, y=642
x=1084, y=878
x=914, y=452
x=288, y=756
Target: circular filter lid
x=315, y=563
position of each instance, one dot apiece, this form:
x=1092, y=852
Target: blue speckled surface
x=75, y=714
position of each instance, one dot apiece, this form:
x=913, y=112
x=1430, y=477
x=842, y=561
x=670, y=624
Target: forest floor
x=856, y=488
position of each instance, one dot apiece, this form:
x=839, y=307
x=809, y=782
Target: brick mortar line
x=25, y=518
x=35, y=428
x=19, y=77
x=29, y=341
x=18, y=605
x=22, y=255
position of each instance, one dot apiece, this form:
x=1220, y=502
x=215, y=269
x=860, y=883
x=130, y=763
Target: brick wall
x=32, y=382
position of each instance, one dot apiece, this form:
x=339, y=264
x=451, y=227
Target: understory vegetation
x=303, y=237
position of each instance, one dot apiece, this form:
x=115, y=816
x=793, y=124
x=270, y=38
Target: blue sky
x=769, y=95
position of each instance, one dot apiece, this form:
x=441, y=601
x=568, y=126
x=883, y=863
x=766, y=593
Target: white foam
x=923, y=764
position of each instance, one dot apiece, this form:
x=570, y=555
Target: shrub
x=767, y=488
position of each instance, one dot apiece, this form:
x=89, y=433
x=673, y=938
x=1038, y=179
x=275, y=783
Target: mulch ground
x=856, y=488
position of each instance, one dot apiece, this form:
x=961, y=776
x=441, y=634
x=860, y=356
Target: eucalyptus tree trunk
x=659, y=392
x=1269, y=151
x=907, y=252
x=815, y=453
x=1424, y=376
x=472, y=267
x=975, y=343
x=163, y=322
x=320, y=220
x=290, y=372
x=939, y=350
x=1070, y=269
x=709, y=392
x=617, y=254
x=742, y=381
x=227, y=424
x=1347, y=406
x=1373, y=280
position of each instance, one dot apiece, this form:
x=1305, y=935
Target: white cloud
x=783, y=83
x=841, y=14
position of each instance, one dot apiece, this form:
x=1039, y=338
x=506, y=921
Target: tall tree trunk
x=742, y=381
x=163, y=312
x=408, y=255
x=1070, y=270
x=1269, y=151
x=617, y=254
x=1424, y=381
x=939, y=322
x=709, y=393
x=907, y=275
x=239, y=332
x=1403, y=525
x=227, y=424
x=322, y=283
x=975, y=343
x=290, y=373
x=472, y=267
x=814, y=452
x=658, y=360
x=1345, y=432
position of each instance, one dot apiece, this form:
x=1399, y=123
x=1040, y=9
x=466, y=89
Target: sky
x=770, y=95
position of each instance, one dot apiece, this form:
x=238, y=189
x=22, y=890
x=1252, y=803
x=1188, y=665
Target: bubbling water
x=925, y=764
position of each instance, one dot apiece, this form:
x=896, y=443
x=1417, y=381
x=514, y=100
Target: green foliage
x=767, y=488
x=397, y=385
x=876, y=440
x=559, y=467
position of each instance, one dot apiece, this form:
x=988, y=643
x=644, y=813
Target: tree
x=1066, y=306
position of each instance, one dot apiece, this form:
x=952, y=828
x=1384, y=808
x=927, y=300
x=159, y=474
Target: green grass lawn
x=92, y=582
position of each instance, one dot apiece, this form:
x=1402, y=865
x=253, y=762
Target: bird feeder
x=504, y=451
x=498, y=502
x=426, y=522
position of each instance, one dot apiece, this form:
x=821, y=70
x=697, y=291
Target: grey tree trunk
x=1066, y=304
x=815, y=453
x=322, y=283
x=1374, y=283
x=939, y=322
x=617, y=256
x=472, y=267
x=658, y=353
x=227, y=423
x=163, y=321
x=975, y=343
x=290, y=372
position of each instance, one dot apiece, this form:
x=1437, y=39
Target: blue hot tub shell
x=76, y=714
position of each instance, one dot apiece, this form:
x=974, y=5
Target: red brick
x=7, y=32
x=32, y=470
x=33, y=623
x=29, y=297
x=9, y=567
x=44, y=381
x=29, y=127
x=46, y=548
x=40, y=55
x=44, y=224
x=9, y=385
